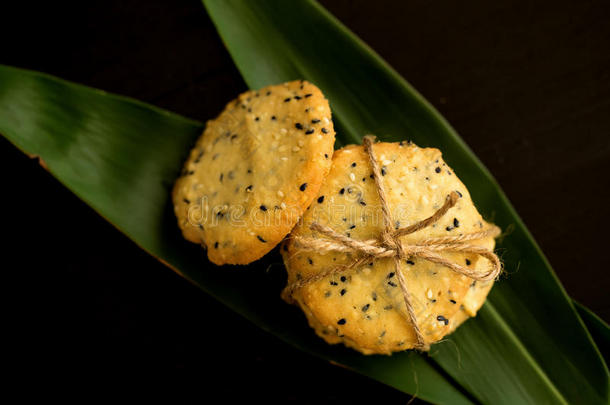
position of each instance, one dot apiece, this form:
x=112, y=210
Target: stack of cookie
x=383, y=246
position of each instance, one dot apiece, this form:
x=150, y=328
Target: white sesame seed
x=425, y=200
x=280, y=194
x=283, y=131
x=429, y=294
x=326, y=121
x=320, y=108
x=283, y=206
x=387, y=162
x=433, y=186
x=296, y=149
x=352, y=177
x=284, y=158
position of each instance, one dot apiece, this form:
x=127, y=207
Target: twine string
x=389, y=245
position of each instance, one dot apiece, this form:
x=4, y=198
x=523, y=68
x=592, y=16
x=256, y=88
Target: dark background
x=526, y=85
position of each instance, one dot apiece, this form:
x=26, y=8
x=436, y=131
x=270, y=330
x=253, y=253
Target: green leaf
x=600, y=332
x=528, y=344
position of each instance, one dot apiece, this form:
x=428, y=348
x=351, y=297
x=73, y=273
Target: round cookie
x=364, y=307
x=254, y=171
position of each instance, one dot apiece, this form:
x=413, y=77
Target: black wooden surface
x=526, y=85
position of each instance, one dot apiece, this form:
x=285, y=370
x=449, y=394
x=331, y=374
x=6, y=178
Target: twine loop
x=391, y=245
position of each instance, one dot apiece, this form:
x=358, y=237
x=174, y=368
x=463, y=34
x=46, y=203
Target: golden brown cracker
x=364, y=307
x=254, y=171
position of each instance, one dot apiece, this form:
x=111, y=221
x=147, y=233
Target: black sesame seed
x=297, y=97
x=343, y=279
x=324, y=130
x=343, y=291
x=273, y=118
x=341, y=321
x=353, y=164
x=411, y=262
x=261, y=239
x=263, y=208
x=186, y=200
x=268, y=93
x=298, y=125
x=391, y=283
x=374, y=295
x=334, y=283
x=249, y=188
x=308, y=95
x=388, y=307
x=467, y=262
x=352, y=227
x=449, y=228
x=458, y=193
x=456, y=223
x=320, y=199
x=326, y=155
x=221, y=176
x=366, y=307
x=303, y=187
x=216, y=245
x=309, y=260
x=391, y=275
x=327, y=294
x=438, y=170
x=362, y=203
x=190, y=172
x=315, y=121
x=453, y=301
x=342, y=191
x=441, y=318
x=287, y=99
x=201, y=227
x=256, y=118
x=383, y=172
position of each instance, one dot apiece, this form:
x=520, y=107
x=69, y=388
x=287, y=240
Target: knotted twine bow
x=390, y=245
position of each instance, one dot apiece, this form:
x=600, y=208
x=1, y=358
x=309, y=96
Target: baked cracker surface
x=364, y=307
x=254, y=171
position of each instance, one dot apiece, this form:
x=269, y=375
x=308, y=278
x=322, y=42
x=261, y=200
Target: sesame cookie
x=254, y=171
x=364, y=307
